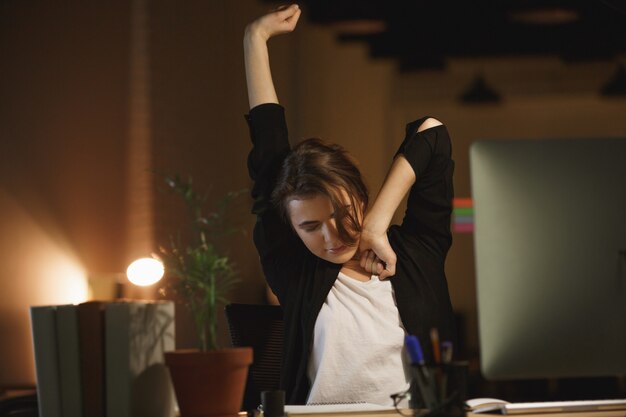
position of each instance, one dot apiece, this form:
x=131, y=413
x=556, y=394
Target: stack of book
x=104, y=359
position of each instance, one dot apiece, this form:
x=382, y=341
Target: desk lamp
x=145, y=271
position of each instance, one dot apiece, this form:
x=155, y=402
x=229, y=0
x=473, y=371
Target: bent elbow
x=429, y=123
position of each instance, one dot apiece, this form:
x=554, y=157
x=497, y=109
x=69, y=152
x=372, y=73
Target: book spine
x=69, y=361
x=91, y=338
x=137, y=334
x=43, y=325
x=117, y=354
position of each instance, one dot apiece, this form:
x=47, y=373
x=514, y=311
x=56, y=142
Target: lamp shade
x=145, y=271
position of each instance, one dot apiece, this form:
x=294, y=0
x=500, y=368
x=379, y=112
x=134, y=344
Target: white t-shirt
x=358, y=345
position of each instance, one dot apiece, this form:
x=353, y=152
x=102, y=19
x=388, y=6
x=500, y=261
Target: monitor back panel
x=550, y=247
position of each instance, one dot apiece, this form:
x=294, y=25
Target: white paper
x=336, y=408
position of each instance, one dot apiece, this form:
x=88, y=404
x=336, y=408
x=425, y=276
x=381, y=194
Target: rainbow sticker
x=463, y=215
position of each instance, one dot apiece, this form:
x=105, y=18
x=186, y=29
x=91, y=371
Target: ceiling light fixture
x=545, y=16
x=479, y=92
x=360, y=26
x=616, y=86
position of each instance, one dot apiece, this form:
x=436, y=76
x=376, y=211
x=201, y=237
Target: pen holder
x=273, y=403
x=440, y=389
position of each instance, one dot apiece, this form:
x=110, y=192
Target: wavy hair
x=314, y=167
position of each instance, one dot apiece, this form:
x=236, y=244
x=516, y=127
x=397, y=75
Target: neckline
x=358, y=281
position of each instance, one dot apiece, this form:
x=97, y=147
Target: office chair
x=261, y=327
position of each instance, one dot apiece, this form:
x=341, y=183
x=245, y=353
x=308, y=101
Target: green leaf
x=202, y=276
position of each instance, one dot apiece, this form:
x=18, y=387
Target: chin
x=340, y=258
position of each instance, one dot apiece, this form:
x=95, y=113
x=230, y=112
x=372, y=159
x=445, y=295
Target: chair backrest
x=261, y=327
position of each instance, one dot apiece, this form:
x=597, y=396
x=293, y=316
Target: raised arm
x=377, y=256
x=258, y=74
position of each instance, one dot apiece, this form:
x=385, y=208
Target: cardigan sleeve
x=268, y=132
x=429, y=205
x=277, y=245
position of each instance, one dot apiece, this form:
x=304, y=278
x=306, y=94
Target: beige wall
x=63, y=110
x=64, y=134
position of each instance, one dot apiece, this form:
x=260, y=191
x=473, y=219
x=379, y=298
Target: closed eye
x=309, y=226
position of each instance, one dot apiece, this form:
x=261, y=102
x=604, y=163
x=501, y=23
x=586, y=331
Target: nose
x=329, y=231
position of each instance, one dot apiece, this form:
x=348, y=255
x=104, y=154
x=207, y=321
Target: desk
x=617, y=413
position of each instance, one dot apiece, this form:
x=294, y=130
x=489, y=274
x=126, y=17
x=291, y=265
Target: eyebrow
x=307, y=222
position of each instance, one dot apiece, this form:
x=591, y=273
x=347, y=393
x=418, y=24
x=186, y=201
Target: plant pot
x=209, y=384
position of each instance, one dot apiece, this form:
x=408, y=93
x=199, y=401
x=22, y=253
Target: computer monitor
x=550, y=247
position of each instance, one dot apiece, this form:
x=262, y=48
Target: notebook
x=492, y=405
x=339, y=408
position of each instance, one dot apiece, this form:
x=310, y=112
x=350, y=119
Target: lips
x=337, y=249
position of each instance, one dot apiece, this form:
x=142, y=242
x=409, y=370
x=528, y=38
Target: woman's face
x=313, y=220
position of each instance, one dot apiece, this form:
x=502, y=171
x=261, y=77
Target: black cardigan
x=301, y=281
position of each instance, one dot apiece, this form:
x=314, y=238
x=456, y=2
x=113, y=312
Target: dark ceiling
x=422, y=34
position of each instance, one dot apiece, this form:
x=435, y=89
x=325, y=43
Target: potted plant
x=208, y=380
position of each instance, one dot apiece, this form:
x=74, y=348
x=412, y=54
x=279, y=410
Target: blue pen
x=421, y=375
x=414, y=349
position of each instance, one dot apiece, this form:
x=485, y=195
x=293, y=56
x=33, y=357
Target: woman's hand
x=283, y=20
x=377, y=256
x=258, y=74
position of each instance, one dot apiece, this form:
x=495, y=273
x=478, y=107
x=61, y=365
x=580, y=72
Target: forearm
x=399, y=180
x=258, y=74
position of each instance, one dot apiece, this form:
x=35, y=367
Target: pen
x=421, y=374
x=434, y=340
x=414, y=349
x=446, y=358
x=446, y=351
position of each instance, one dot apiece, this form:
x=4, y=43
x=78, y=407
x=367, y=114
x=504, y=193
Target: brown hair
x=314, y=167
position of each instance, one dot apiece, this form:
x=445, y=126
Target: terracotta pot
x=209, y=384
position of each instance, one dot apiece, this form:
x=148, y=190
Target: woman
x=350, y=286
